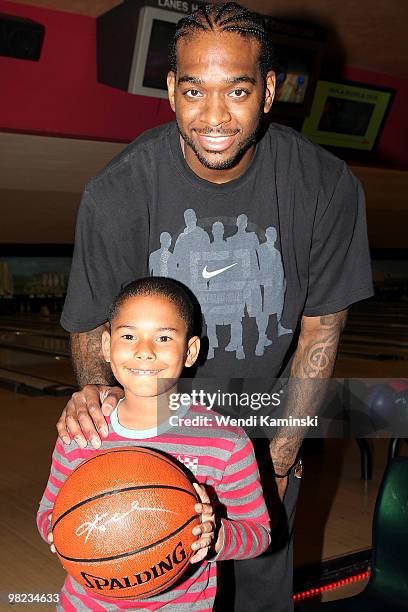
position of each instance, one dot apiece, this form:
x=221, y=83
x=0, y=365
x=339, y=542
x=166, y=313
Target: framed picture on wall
x=347, y=115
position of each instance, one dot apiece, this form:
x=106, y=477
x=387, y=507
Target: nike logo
x=207, y=274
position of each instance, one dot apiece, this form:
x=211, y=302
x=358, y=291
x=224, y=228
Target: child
x=149, y=343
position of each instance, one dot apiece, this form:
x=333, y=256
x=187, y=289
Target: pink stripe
x=219, y=443
x=65, y=603
x=79, y=453
x=246, y=490
x=242, y=453
x=235, y=533
x=245, y=473
x=50, y=496
x=209, y=572
x=90, y=602
x=61, y=468
x=55, y=482
x=192, y=597
x=248, y=508
x=42, y=523
x=250, y=537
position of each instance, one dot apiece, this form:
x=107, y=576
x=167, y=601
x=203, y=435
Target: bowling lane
x=34, y=352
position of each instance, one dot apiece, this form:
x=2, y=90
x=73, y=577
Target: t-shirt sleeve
x=247, y=529
x=339, y=265
x=60, y=470
x=109, y=252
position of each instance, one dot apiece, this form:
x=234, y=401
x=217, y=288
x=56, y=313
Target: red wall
x=59, y=95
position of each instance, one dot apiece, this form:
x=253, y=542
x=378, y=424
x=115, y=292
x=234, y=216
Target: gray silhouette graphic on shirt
x=187, y=254
x=160, y=260
x=232, y=278
x=274, y=286
x=224, y=295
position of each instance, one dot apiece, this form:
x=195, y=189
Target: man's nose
x=215, y=111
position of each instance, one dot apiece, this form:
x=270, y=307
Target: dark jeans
x=264, y=584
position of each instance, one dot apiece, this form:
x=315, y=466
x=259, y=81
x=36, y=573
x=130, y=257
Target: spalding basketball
x=122, y=523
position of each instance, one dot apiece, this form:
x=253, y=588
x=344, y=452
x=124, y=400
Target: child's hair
x=158, y=285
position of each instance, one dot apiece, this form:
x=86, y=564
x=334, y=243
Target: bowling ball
x=381, y=408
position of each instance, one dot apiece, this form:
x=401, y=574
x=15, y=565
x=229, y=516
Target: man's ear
x=171, y=89
x=269, y=91
x=193, y=348
x=106, y=340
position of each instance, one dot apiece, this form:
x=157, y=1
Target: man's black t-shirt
x=287, y=238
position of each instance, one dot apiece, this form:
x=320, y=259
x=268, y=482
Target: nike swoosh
x=207, y=274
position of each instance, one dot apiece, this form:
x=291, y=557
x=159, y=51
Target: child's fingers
x=50, y=538
x=204, y=509
x=204, y=528
x=199, y=556
x=202, y=493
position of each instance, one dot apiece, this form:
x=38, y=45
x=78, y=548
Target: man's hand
x=83, y=417
x=281, y=486
x=207, y=529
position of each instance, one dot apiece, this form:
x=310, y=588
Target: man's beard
x=238, y=155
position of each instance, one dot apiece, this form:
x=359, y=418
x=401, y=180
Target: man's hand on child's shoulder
x=83, y=418
x=209, y=533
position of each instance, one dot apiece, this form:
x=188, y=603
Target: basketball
x=122, y=523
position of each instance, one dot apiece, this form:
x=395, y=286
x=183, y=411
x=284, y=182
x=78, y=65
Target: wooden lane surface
x=27, y=438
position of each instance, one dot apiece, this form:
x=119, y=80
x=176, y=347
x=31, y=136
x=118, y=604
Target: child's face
x=148, y=343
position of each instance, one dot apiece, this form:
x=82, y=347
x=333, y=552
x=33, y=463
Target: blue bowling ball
x=381, y=407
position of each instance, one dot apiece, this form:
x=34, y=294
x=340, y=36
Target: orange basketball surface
x=122, y=523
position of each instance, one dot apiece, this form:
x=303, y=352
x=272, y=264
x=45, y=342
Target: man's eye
x=128, y=337
x=193, y=93
x=239, y=93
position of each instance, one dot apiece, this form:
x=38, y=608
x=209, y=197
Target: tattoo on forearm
x=316, y=356
x=87, y=359
x=311, y=370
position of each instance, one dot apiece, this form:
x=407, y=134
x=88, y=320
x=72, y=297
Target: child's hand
x=206, y=530
x=49, y=536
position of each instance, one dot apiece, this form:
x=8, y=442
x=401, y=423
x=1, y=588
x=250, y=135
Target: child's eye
x=128, y=337
x=163, y=338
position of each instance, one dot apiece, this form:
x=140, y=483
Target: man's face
x=219, y=97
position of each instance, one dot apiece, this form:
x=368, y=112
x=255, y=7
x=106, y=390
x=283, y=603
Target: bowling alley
x=205, y=201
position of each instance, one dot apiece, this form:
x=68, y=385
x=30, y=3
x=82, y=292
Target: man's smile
x=216, y=142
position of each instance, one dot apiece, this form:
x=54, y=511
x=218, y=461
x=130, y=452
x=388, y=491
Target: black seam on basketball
x=133, y=449
x=114, y=491
x=168, y=583
x=131, y=552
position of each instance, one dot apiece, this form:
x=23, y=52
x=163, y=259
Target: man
x=217, y=159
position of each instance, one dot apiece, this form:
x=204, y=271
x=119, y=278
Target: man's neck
x=212, y=175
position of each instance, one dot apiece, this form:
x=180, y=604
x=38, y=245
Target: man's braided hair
x=229, y=17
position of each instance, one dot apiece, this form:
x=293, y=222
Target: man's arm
x=312, y=366
x=89, y=365
x=83, y=416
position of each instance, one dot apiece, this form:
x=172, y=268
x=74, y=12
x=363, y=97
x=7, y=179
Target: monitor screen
x=157, y=61
x=150, y=63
